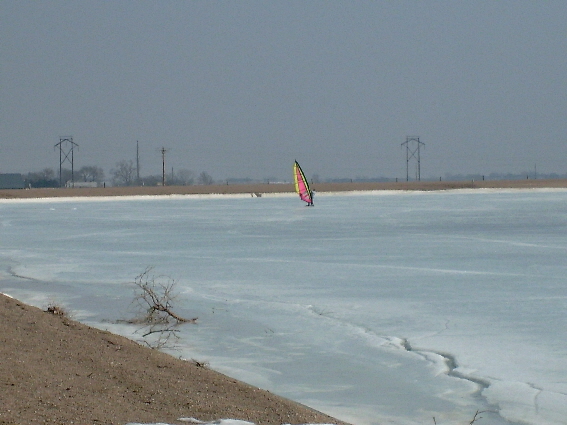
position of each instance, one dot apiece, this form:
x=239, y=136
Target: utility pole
x=163, y=151
x=413, y=146
x=66, y=147
x=137, y=164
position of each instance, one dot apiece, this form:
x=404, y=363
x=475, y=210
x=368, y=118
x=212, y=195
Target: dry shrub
x=153, y=301
x=57, y=310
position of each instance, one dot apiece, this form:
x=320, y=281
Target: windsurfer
x=301, y=185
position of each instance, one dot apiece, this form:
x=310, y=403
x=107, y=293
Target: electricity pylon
x=413, y=152
x=66, y=148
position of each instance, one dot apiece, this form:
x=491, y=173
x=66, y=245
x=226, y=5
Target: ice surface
x=382, y=307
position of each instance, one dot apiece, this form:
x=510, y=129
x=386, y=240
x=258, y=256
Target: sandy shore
x=279, y=188
x=57, y=371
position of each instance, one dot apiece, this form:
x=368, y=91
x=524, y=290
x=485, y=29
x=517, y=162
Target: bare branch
x=154, y=298
x=476, y=416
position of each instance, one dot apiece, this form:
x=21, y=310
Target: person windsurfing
x=301, y=185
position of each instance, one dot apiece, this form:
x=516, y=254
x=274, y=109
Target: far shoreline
x=257, y=189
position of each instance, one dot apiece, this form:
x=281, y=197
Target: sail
x=301, y=184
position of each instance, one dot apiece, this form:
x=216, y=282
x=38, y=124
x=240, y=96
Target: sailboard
x=302, y=185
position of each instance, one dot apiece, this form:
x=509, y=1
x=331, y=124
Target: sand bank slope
x=55, y=370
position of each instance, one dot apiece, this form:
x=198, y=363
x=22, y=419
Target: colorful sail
x=301, y=184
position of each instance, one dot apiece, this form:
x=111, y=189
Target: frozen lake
x=376, y=308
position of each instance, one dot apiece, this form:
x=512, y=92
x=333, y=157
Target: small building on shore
x=83, y=184
x=11, y=181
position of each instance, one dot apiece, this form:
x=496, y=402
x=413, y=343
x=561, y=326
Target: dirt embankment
x=54, y=370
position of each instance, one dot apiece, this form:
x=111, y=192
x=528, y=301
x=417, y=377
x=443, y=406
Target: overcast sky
x=243, y=88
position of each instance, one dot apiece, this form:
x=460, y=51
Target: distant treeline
x=503, y=176
x=450, y=177
x=125, y=175
x=447, y=177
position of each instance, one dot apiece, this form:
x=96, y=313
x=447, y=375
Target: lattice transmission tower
x=66, y=154
x=413, y=148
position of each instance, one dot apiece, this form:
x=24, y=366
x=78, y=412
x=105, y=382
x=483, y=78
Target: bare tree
x=154, y=297
x=43, y=178
x=185, y=177
x=152, y=180
x=204, y=178
x=47, y=174
x=91, y=173
x=124, y=173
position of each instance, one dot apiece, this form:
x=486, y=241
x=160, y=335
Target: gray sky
x=243, y=88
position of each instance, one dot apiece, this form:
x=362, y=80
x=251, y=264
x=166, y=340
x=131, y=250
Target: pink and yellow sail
x=302, y=185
